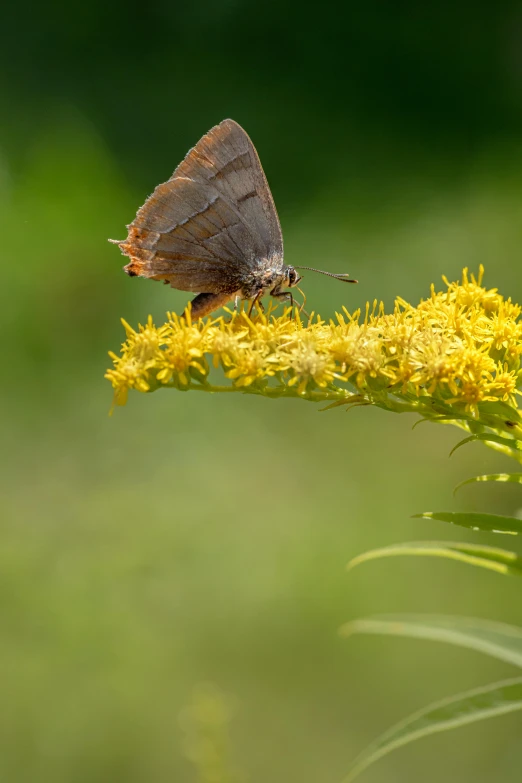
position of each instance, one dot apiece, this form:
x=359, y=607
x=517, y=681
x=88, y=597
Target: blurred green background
x=193, y=539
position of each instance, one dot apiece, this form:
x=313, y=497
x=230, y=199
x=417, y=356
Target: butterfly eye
x=292, y=276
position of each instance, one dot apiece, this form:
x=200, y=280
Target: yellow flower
x=184, y=350
x=452, y=354
x=504, y=386
x=307, y=364
x=470, y=292
x=247, y=364
x=140, y=354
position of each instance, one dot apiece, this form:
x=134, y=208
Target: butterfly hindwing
x=187, y=233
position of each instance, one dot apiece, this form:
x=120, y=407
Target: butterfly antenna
x=343, y=278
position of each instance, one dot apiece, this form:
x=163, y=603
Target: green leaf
x=442, y=419
x=492, y=523
x=469, y=707
x=508, y=444
x=500, y=413
x=499, y=640
x=515, y=478
x=500, y=560
x=501, y=409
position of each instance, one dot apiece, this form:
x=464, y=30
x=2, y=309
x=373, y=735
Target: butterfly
x=213, y=228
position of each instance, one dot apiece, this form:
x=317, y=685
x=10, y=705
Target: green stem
x=317, y=395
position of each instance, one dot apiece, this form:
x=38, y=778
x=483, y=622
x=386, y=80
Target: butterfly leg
x=256, y=301
x=284, y=296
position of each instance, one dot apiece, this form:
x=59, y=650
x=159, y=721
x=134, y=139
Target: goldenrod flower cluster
x=454, y=355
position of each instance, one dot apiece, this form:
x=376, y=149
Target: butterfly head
x=292, y=277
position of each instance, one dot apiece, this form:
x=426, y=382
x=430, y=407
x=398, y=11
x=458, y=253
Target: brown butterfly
x=213, y=227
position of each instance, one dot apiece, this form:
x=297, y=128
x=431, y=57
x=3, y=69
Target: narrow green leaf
x=492, y=523
x=469, y=707
x=515, y=478
x=462, y=443
x=442, y=419
x=498, y=640
x=500, y=560
x=508, y=444
x=511, y=443
x=500, y=413
x=352, y=400
x=501, y=409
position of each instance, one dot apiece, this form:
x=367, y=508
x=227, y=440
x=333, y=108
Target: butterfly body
x=212, y=228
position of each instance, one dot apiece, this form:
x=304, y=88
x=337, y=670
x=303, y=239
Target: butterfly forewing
x=212, y=222
x=226, y=158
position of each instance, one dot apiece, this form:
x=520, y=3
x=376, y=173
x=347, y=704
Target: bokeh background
x=192, y=539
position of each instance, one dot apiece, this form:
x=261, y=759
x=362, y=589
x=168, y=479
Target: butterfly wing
x=208, y=226
x=226, y=158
